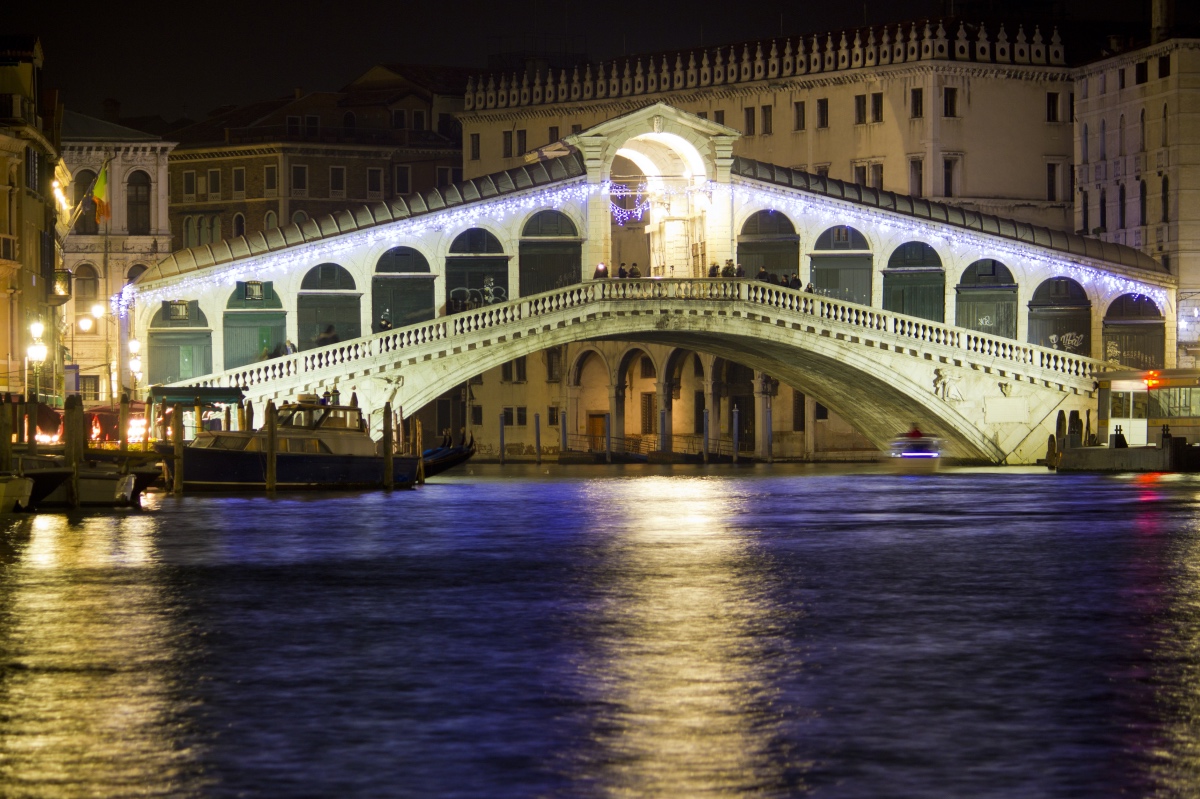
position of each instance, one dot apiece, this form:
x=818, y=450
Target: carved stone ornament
x=658, y=124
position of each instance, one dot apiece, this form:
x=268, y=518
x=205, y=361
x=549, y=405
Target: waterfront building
x=104, y=256
x=34, y=212
x=1025, y=292
x=247, y=169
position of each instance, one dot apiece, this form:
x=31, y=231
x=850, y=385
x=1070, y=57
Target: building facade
x=34, y=212
x=974, y=115
x=104, y=256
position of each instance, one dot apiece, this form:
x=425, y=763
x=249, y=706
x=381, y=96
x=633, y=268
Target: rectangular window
x=553, y=137
x=1071, y=107
x=877, y=107
x=917, y=104
x=522, y=418
x=337, y=182
x=418, y=119
x=916, y=177
x=949, y=102
x=506, y=372
x=1141, y=72
x=552, y=416
x=797, y=411
x=948, y=177
x=214, y=184
x=1052, y=182
x=506, y=144
x=312, y=125
x=877, y=175
x=89, y=387
x=189, y=186
x=647, y=369
x=270, y=180
x=521, y=148
x=399, y=118
x=477, y=415
x=444, y=176
x=860, y=109
x=823, y=170
x=702, y=114
x=820, y=412
x=823, y=113
x=403, y=180
x=1083, y=206
x=649, y=413
x=553, y=365
x=798, y=115
x=293, y=126
x=519, y=365
x=860, y=174
x=577, y=128
x=299, y=180
x=719, y=117
x=1051, y=106
x=510, y=418
x=239, y=182
x=1164, y=66
x=474, y=146
x=1121, y=78
x=768, y=123
x=748, y=113
x=374, y=184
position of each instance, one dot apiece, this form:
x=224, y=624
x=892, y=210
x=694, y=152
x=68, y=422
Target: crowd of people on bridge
x=730, y=269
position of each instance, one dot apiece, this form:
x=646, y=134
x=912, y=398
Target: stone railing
x=515, y=315
x=782, y=58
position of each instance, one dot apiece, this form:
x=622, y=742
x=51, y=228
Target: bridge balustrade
x=778, y=298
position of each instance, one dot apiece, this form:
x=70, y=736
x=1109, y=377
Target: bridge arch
x=1134, y=332
x=914, y=282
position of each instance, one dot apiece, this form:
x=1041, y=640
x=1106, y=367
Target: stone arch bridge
x=993, y=399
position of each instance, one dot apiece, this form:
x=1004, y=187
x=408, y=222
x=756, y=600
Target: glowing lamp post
x=37, y=356
x=135, y=364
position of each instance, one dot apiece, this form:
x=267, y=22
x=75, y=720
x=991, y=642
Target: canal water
x=613, y=632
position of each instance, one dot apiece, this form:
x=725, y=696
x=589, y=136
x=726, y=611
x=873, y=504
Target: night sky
x=157, y=59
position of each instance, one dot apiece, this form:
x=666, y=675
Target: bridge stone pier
x=994, y=400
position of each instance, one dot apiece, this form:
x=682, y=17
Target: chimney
x=112, y=110
x=1162, y=19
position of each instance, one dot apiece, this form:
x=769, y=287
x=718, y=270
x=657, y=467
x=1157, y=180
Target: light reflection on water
x=628, y=632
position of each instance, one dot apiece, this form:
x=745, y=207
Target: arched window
x=914, y=282
x=134, y=272
x=327, y=300
x=1060, y=316
x=841, y=265
x=1164, y=126
x=476, y=271
x=270, y=221
x=1104, y=209
x=1134, y=333
x=87, y=285
x=203, y=232
x=987, y=299
x=1121, y=136
x=85, y=225
x=348, y=120
x=137, y=203
x=255, y=325
x=299, y=218
x=769, y=241
x=401, y=290
x=550, y=253
x=1103, y=141
x=190, y=236
x=1166, y=199
x=1142, y=132
x=239, y=225
x=179, y=348
x=1142, y=202
x=214, y=229
x=1083, y=145
x=1121, y=207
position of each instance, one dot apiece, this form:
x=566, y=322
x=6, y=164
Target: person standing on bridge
x=634, y=271
x=714, y=270
x=329, y=336
x=762, y=275
x=622, y=271
x=601, y=271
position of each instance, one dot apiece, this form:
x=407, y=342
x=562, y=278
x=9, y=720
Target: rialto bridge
x=978, y=328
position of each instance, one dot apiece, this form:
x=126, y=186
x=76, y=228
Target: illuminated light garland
x=621, y=215
x=398, y=232
x=830, y=212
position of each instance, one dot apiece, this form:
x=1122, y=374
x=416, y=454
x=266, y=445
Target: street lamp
x=37, y=356
x=135, y=364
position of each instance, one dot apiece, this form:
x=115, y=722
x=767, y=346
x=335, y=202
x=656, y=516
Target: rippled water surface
x=613, y=632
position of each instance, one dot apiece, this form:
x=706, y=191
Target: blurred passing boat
x=915, y=452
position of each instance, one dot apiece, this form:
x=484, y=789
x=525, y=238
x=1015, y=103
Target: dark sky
x=183, y=59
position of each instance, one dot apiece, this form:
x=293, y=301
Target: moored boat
x=317, y=447
x=440, y=459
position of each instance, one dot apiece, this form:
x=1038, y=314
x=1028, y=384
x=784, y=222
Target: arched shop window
x=328, y=298
x=179, y=345
x=550, y=254
x=255, y=324
x=986, y=299
x=841, y=265
x=914, y=282
x=1060, y=316
x=768, y=240
x=401, y=289
x=1135, y=333
x=476, y=271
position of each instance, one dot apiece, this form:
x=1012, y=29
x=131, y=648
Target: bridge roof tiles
x=366, y=216
x=1070, y=243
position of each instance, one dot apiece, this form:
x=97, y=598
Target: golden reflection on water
x=681, y=673
x=89, y=704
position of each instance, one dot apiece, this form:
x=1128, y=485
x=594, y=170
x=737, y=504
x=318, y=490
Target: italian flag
x=100, y=195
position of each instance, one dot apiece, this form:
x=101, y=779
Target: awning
x=187, y=395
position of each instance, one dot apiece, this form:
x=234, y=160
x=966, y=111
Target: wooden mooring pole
x=420, y=460
x=272, y=423
x=177, y=444
x=123, y=423
x=389, y=456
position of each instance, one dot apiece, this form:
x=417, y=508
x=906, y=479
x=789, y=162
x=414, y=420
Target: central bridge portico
x=994, y=400
x=975, y=327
